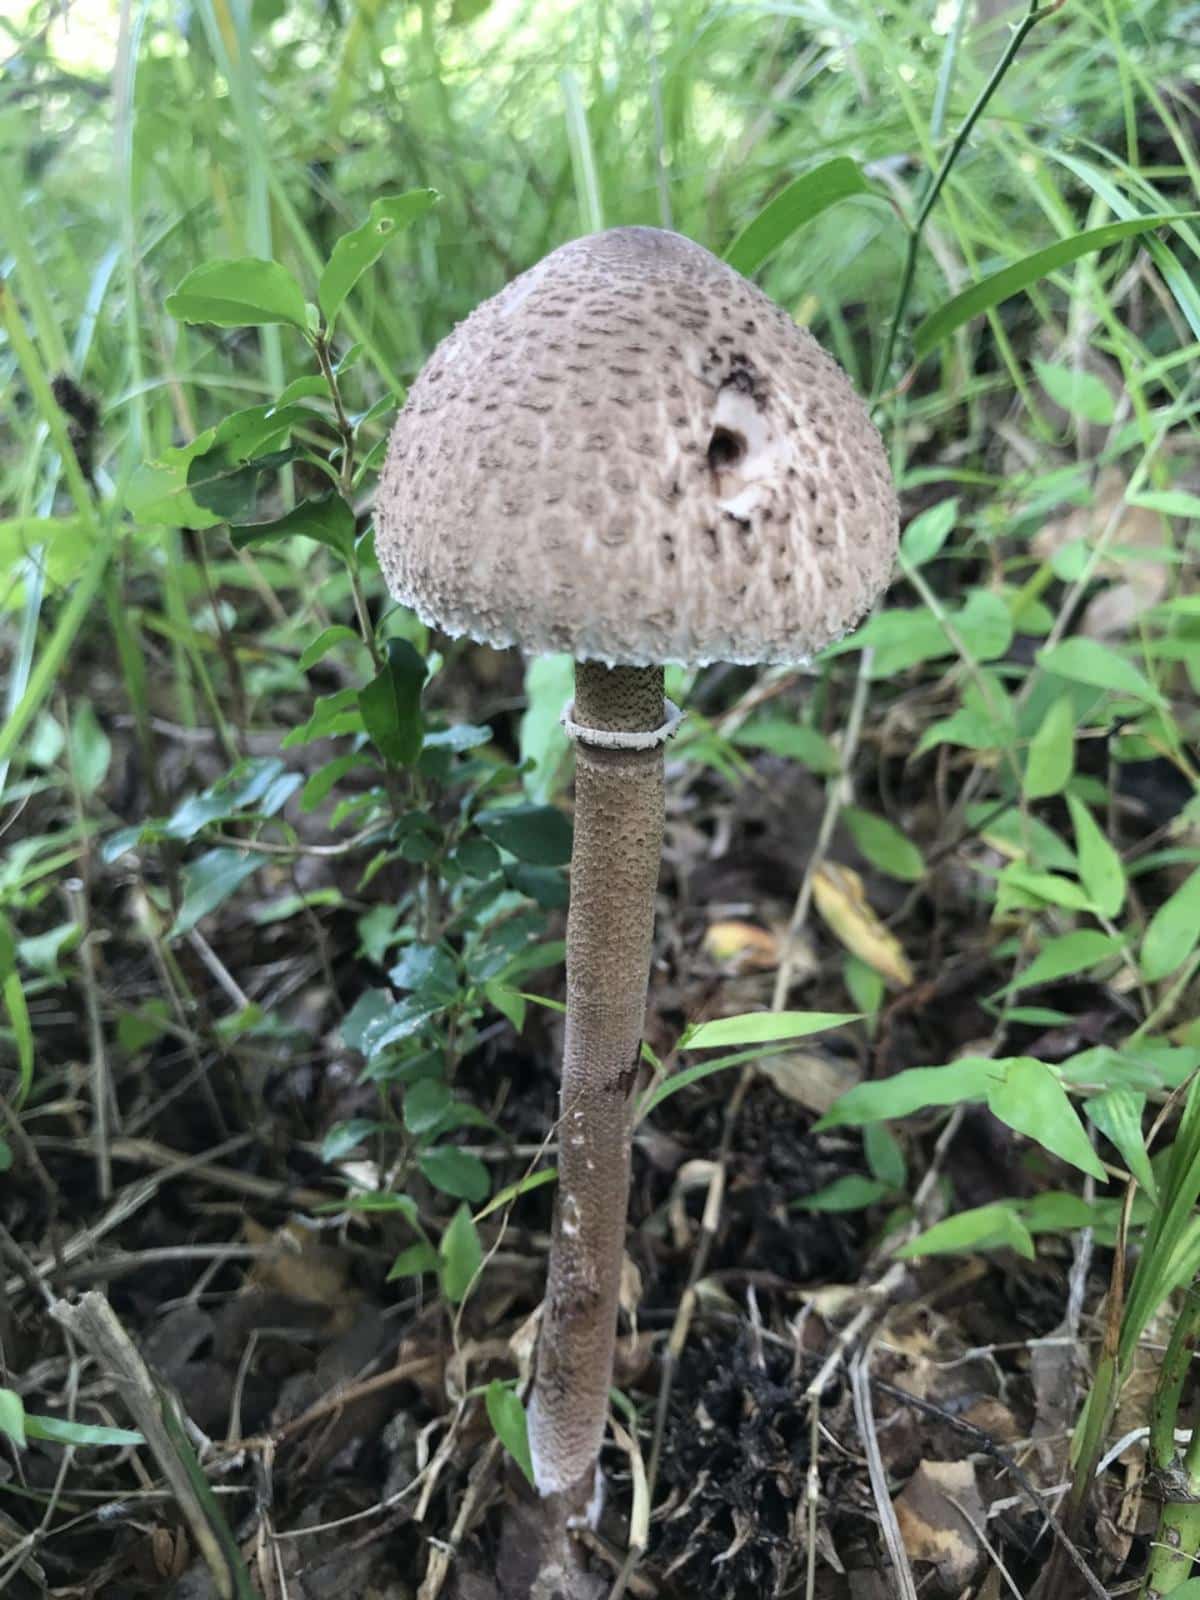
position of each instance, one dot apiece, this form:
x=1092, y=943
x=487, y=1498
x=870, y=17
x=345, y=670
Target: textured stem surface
x=614, y=874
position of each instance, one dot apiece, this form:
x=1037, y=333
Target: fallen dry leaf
x=300, y=1266
x=741, y=946
x=810, y=1080
x=932, y=1526
x=841, y=899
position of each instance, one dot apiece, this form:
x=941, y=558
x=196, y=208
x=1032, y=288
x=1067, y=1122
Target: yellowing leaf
x=741, y=946
x=842, y=902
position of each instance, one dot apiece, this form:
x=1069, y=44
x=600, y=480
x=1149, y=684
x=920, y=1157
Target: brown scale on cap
x=631, y=454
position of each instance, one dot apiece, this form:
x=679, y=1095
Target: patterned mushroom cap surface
x=632, y=455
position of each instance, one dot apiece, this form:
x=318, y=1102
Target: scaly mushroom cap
x=631, y=454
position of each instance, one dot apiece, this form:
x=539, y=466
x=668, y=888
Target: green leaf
x=354, y=252
x=1048, y=887
x=928, y=532
x=1020, y=275
x=761, y=1027
x=794, y=740
x=344, y=1137
x=1174, y=931
x=91, y=749
x=391, y=705
x=328, y=520
x=460, y=1256
x=884, y=845
x=1060, y=957
x=209, y=881
x=326, y=640
x=316, y=791
x=512, y=1191
x=1051, y=759
x=508, y=1002
x=854, y=1192
x=1100, y=869
x=1088, y=661
x=1118, y=1115
x=985, y=1228
x=427, y=969
x=411, y=1263
x=1078, y=391
x=1170, y=502
x=456, y=1172
x=242, y=293
x=964, y=1081
x=802, y=200
x=884, y=1155
x=538, y=834
x=507, y=1417
x=58, y=1430
x=13, y=995
x=1031, y=1100
x=425, y=1105
x=12, y=1416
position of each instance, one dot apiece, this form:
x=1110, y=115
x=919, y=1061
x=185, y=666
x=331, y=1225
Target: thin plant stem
x=1020, y=33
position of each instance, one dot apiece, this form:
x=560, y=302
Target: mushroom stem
x=614, y=875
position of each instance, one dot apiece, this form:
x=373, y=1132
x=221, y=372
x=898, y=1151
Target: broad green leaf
x=854, y=1192
x=1088, y=661
x=507, y=1417
x=965, y=1081
x=508, y=1002
x=12, y=1416
x=1047, y=887
x=1118, y=1115
x=1170, y=502
x=344, y=1137
x=455, y=1172
x=241, y=293
x=802, y=200
x=1078, y=391
x=1020, y=275
x=884, y=1155
x=59, y=1430
x=209, y=881
x=928, y=532
x=1174, y=931
x=328, y=520
x=985, y=1228
x=425, y=1105
x=354, y=252
x=1062, y=956
x=903, y=638
x=391, y=705
x=884, y=845
x=91, y=749
x=1100, y=869
x=544, y=745
x=1031, y=1100
x=460, y=1256
x=537, y=834
x=326, y=640
x=428, y=969
x=1051, y=759
x=415, y=1260
x=761, y=1027
x=794, y=740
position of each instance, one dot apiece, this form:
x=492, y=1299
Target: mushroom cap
x=631, y=454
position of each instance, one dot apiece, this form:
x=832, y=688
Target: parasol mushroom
x=632, y=455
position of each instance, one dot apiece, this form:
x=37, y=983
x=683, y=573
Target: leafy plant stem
x=1019, y=34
